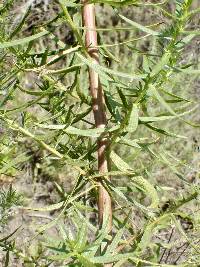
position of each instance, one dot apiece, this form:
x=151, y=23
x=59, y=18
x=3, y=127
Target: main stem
x=104, y=201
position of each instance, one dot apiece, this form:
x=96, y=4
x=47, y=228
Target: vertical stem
x=104, y=201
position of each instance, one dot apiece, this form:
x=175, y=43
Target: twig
x=181, y=253
x=170, y=237
x=163, y=254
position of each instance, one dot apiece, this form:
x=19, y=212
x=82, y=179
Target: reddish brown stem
x=104, y=201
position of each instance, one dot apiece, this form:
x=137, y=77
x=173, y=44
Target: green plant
x=8, y=199
x=45, y=98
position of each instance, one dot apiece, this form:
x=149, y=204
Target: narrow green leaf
x=161, y=64
x=95, y=132
x=116, y=240
x=23, y=40
x=14, y=162
x=103, y=71
x=82, y=237
x=190, y=71
x=125, y=256
x=154, y=119
x=162, y=131
x=60, y=204
x=85, y=261
x=128, y=142
x=65, y=70
x=175, y=96
x=10, y=235
x=132, y=119
x=119, y=163
x=167, y=106
x=150, y=228
x=138, y=180
x=139, y=26
x=61, y=256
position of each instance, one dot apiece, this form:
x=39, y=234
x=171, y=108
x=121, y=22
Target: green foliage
x=45, y=101
x=8, y=199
